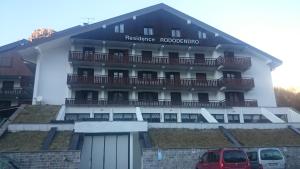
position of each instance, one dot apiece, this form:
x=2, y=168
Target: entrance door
x=105, y=152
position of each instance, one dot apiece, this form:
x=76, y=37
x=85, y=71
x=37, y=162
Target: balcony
x=159, y=83
x=77, y=57
x=243, y=103
x=244, y=84
x=234, y=63
x=161, y=103
x=15, y=93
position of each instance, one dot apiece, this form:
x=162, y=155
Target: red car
x=224, y=159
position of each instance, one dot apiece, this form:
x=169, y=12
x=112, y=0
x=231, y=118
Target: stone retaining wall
x=45, y=159
x=187, y=158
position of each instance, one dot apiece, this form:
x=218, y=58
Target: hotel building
x=152, y=68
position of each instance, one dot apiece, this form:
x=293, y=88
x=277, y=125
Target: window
x=151, y=117
x=282, y=117
x=203, y=97
x=199, y=58
x=252, y=156
x=118, y=97
x=124, y=117
x=146, y=56
x=148, y=31
x=270, y=154
x=228, y=54
x=77, y=116
x=233, y=118
x=234, y=156
x=192, y=118
x=232, y=75
x=88, y=51
x=201, y=76
x=201, y=35
x=147, y=75
x=119, y=28
x=170, y=117
x=213, y=157
x=255, y=118
x=176, y=33
x=8, y=85
x=101, y=116
x=219, y=117
x=148, y=96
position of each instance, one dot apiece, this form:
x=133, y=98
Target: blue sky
x=270, y=25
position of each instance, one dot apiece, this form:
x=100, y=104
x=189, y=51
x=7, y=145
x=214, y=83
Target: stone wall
x=187, y=158
x=45, y=159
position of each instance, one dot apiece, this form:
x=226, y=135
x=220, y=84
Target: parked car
x=224, y=159
x=267, y=158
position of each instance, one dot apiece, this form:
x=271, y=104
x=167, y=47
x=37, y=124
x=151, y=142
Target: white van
x=267, y=158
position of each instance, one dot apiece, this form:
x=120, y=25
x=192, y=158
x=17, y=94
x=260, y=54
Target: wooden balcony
x=15, y=93
x=244, y=103
x=234, y=63
x=77, y=57
x=161, y=103
x=159, y=83
x=244, y=84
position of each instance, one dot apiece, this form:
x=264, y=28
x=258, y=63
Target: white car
x=267, y=158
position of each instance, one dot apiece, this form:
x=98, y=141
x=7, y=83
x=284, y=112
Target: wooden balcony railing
x=139, y=82
x=237, y=84
x=160, y=103
x=244, y=103
x=97, y=81
x=106, y=58
x=17, y=92
x=240, y=63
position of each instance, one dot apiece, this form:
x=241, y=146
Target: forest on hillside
x=287, y=98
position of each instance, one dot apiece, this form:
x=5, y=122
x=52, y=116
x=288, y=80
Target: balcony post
x=179, y=117
x=225, y=117
x=103, y=47
x=102, y=95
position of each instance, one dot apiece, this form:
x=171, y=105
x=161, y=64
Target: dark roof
x=81, y=29
x=13, y=65
x=14, y=45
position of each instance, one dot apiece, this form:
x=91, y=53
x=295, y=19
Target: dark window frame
x=153, y=117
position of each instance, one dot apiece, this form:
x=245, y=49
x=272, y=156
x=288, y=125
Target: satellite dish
x=39, y=98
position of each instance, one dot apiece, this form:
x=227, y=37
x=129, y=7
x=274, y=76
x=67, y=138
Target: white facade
x=54, y=66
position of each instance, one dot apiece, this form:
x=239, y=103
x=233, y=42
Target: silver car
x=267, y=158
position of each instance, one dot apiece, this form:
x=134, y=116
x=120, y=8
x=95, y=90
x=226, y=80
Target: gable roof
x=81, y=29
x=12, y=46
x=14, y=65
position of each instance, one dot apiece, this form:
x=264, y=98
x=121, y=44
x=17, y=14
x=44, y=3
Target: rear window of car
x=234, y=156
x=252, y=156
x=270, y=155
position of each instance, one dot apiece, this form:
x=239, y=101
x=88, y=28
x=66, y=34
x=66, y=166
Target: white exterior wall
x=263, y=91
x=51, y=74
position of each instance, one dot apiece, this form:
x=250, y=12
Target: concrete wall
x=51, y=73
x=46, y=159
x=263, y=91
x=187, y=158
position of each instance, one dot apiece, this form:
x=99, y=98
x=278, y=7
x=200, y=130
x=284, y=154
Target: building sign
x=163, y=40
x=139, y=38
